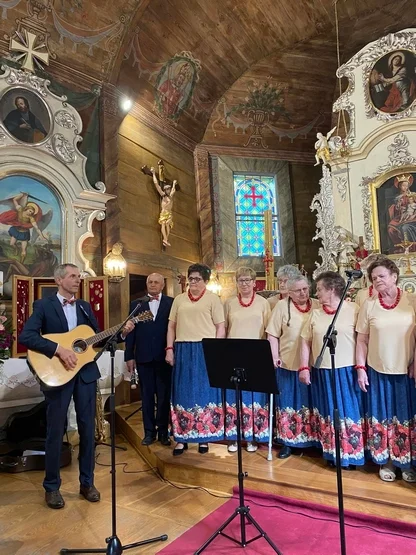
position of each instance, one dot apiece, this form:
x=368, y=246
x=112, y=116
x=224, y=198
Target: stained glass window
x=253, y=194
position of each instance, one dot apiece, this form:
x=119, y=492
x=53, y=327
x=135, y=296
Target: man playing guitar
x=61, y=313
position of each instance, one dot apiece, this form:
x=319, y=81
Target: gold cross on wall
x=29, y=51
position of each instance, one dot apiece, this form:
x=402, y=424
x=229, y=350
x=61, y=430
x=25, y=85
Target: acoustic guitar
x=52, y=372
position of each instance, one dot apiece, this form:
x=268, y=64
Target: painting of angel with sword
x=23, y=216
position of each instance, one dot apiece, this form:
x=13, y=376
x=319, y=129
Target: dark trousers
x=155, y=379
x=57, y=403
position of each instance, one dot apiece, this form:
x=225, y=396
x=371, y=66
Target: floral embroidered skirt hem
x=351, y=413
x=296, y=424
x=388, y=420
x=196, y=407
x=254, y=417
x=412, y=389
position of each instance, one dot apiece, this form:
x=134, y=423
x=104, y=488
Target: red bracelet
x=169, y=349
x=302, y=368
x=360, y=367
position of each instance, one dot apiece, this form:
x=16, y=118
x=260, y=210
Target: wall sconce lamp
x=214, y=284
x=114, y=264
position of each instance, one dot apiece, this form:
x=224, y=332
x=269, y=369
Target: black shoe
x=284, y=452
x=163, y=437
x=148, y=439
x=178, y=450
x=90, y=493
x=54, y=499
x=203, y=449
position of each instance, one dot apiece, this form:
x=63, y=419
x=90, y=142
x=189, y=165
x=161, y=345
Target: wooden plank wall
x=139, y=202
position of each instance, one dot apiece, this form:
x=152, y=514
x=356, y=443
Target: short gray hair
x=288, y=272
x=293, y=280
x=60, y=271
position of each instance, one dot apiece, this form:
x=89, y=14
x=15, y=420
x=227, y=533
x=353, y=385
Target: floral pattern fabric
x=254, y=420
x=196, y=407
x=351, y=413
x=389, y=422
x=296, y=426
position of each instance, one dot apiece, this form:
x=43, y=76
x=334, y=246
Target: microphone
x=354, y=274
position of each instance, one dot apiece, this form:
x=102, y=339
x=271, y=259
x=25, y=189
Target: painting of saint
x=393, y=83
x=24, y=115
x=175, y=85
x=397, y=213
x=30, y=229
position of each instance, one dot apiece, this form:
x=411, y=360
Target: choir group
x=375, y=379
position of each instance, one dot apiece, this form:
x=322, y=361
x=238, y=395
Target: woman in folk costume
x=368, y=292
x=283, y=274
x=196, y=407
x=329, y=289
x=385, y=351
x=294, y=404
x=246, y=317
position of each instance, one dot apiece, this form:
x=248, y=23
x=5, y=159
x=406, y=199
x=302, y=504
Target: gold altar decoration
x=114, y=264
x=268, y=251
x=406, y=245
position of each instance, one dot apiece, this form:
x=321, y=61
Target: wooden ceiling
x=187, y=60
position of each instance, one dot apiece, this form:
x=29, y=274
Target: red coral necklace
x=303, y=310
x=240, y=300
x=328, y=310
x=396, y=302
x=370, y=291
x=195, y=299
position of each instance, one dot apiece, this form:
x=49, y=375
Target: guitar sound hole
x=79, y=346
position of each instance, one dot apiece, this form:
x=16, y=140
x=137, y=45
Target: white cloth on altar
x=19, y=389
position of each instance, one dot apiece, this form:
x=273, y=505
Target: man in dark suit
x=145, y=350
x=61, y=313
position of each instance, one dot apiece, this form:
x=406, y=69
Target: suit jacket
x=48, y=317
x=147, y=342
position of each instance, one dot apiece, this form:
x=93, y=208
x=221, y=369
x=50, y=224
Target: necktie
x=66, y=301
x=153, y=298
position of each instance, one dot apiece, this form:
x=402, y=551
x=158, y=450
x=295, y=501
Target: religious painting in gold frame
x=392, y=82
x=393, y=199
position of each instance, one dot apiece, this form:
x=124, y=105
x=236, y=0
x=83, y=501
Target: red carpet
x=298, y=528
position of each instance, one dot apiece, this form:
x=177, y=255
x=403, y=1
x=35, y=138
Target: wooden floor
x=302, y=477
x=146, y=507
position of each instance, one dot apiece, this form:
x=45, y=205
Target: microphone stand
x=330, y=341
x=114, y=545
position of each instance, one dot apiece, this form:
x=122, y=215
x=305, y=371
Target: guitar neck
x=102, y=335
x=98, y=337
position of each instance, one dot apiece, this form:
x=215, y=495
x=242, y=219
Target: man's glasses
x=194, y=279
x=244, y=281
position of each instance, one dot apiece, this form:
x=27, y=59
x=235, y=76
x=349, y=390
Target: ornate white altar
x=19, y=390
x=361, y=191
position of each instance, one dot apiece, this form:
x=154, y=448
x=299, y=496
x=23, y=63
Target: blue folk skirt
x=254, y=417
x=196, y=407
x=351, y=413
x=295, y=427
x=412, y=389
x=388, y=418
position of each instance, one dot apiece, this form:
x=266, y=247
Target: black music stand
x=243, y=365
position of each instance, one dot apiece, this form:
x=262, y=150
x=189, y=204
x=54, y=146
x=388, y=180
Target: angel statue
x=346, y=250
x=166, y=191
x=22, y=217
x=322, y=147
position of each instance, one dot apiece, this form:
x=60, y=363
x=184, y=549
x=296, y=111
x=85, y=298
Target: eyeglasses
x=244, y=281
x=194, y=279
x=298, y=291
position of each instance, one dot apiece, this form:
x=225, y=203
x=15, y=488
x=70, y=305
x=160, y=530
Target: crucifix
x=166, y=189
x=268, y=251
x=29, y=51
